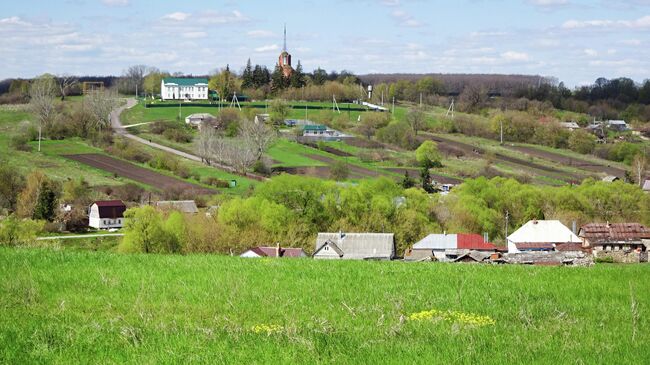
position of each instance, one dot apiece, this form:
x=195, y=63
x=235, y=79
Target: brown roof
x=614, y=232
x=569, y=247
x=284, y=252
x=111, y=209
x=535, y=246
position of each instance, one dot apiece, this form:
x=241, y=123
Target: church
x=284, y=61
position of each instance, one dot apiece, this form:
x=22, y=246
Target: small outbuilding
x=183, y=206
x=199, y=119
x=106, y=214
x=277, y=251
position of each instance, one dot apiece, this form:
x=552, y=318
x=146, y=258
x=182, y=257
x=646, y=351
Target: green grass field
x=70, y=306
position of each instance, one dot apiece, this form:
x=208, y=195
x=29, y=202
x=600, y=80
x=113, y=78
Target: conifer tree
x=247, y=77
x=298, y=77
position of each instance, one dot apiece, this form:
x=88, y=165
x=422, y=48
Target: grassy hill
x=89, y=307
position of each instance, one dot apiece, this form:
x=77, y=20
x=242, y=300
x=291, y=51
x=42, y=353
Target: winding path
x=119, y=129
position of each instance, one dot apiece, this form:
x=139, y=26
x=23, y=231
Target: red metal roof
x=614, y=232
x=473, y=241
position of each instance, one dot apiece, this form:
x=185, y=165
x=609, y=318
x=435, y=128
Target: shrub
x=157, y=127
x=262, y=168
x=19, y=142
x=604, y=260
x=178, y=135
x=398, y=133
x=214, y=181
x=339, y=171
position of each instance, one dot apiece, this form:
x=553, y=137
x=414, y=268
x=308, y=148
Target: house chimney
x=277, y=250
x=574, y=227
x=444, y=232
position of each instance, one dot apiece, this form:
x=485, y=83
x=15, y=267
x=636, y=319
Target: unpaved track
x=137, y=173
x=512, y=161
x=570, y=161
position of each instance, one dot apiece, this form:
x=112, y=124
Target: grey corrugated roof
x=185, y=206
x=360, y=245
x=437, y=242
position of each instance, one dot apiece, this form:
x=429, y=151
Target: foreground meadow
x=96, y=307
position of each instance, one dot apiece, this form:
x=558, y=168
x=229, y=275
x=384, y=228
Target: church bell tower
x=285, y=58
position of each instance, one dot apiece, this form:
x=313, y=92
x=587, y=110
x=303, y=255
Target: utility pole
x=501, y=125
x=393, y=105
x=507, y=220
x=420, y=100
x=39, y=137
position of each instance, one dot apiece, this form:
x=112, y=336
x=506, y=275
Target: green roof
x=314, y=128
x=183, y=81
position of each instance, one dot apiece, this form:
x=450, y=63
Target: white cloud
x=591, y=52
x=260, y=34
x=549, y=2
x=631, y=42
x=641, y=23
x=195, y=35
x=177, y=16
x=115, y=2
x=267, y=48
x=405, y=19
x=515, y=56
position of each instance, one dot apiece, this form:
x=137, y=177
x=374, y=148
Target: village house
x=106, y=214
x=321, y=132
x=198, y=119
x=448, y=247
x=355, y=246
x=623, y=242
x=611, y=178
x=177, y=88
x=646, y=186
x=571, y=126
x=183, y=206
x=276, y=251
x=541, y=235
x=617, y=125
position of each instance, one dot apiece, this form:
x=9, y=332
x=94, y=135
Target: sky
x=574, y=40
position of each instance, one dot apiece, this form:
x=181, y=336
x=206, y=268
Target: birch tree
x=100, y=104
x=42, y=93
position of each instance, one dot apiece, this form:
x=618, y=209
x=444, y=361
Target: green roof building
x=184, y=88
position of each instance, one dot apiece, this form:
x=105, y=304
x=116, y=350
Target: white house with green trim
x=181, y=88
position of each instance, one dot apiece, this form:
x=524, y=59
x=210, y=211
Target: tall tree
x=134, y=77
x=248, y=80
x=12, y=183
x=320, y=76
x=278, y=81
x=100, y=103
x=416, y=119
x=298, y=77
x=66, y=83
x=41, y=102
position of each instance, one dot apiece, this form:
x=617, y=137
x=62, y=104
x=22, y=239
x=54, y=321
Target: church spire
x=284, y=47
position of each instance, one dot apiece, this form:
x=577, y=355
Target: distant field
x=66, y=306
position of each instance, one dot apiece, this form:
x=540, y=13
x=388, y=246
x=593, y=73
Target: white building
x=537, y=235
x=175, y=88
x=106, y=214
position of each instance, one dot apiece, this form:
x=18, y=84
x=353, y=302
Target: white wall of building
x=179, y=92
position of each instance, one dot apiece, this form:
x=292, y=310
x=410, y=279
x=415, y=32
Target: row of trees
x=292, y=210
